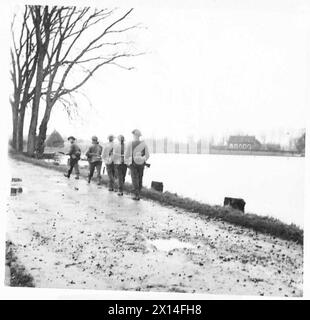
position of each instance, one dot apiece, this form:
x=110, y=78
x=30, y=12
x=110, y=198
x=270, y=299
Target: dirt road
x=72, y=235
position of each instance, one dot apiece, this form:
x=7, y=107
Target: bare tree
x=71, y=46
x=23, y=66
x=56, y=51
x=43, y=19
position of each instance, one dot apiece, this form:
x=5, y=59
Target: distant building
x=245, y=143
x=55, y=140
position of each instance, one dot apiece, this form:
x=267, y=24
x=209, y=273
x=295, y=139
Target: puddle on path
x=170, y=244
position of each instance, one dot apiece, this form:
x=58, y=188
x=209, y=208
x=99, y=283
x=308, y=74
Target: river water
x=271, y=186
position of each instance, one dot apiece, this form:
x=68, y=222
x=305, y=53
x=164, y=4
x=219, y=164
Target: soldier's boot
x=136, y=196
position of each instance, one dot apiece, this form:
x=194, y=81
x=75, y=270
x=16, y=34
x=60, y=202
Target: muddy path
x=69, y=234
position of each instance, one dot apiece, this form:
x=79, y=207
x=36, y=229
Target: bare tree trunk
x=31, y=143
x=20, y=130
x=38, y=17
x=43, y=128
x=15, y=125
x=15, y=108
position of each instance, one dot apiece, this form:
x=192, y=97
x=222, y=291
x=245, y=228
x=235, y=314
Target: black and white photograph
x=156, y=148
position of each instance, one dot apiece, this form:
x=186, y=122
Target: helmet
x=137, y=132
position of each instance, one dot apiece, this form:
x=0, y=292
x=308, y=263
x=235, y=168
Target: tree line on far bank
x=54, y=52
x=300, y=143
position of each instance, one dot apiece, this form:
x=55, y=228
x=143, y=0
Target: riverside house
x=242, y=143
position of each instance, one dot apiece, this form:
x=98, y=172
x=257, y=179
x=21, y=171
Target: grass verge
x=16, y=275
x=258, y=223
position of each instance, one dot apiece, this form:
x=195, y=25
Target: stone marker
x=158, y=186
x=16, y=190
x=235, y=203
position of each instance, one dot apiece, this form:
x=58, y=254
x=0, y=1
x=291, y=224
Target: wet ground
x=68, y=234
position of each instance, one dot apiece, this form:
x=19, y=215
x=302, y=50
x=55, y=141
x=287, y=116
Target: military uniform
x=137, y=154
x=95, y=161
x=75, y=155
x=120, y=165
x=108, y=159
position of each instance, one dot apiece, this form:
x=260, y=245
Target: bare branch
x=80, y=55
x=90, y=74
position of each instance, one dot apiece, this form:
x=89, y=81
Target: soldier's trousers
x=73, y=163
x=111, y=175
x=92, y=166
x=137, y=177
x=120, y=171
x=77, y=169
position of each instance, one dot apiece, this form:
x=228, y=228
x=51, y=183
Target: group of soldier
x=117, y=157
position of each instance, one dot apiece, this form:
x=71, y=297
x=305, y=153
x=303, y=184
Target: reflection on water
x=271, y=186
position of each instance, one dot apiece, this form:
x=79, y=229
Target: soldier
x=93, y=155
x=136, y=155
x=119, y=163
x=108, y=159
x=75, y=155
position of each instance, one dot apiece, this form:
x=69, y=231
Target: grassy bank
x=258, y=223
x=17, y=275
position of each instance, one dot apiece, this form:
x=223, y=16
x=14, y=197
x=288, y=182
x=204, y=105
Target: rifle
x=65, y=154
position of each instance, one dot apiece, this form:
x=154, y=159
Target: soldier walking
x=119, y=163
x=108, y=159
x=75, y=155
x=93, y=155
x=136, y=155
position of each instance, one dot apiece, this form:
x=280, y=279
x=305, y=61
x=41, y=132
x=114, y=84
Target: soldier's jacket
x=108, y=153
x=94, y=152
x=137, y=152
x=74, y=151
x=118, y=156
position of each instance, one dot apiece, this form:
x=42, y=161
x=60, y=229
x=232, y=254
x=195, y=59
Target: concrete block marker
x=16, y=190
x=158, y=186
x=235, y=203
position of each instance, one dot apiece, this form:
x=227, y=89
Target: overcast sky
x=213, y=70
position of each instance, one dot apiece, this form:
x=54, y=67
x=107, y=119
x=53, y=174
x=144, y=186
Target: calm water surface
x=271, y=186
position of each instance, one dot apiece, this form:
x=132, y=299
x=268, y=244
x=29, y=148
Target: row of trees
x=54, y=52
x=300, y=143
